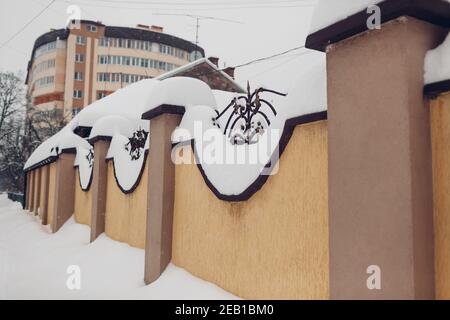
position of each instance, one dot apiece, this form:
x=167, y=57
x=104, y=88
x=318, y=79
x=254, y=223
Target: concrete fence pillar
x=161, y=190
x=64, y=190
x=99, y=180
x=380, y=175
x=45, y=177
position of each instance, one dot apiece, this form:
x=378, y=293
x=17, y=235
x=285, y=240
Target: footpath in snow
x=34, y=263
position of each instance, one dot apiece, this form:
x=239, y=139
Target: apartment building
x=72, y=67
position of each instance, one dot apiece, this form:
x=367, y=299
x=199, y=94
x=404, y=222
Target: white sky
x=263, y=31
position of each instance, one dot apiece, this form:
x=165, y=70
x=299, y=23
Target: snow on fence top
x=118, y=117
x=127, y=102
x=180, y=92
x=437, y=63
x=328, y=12
x=233, y=179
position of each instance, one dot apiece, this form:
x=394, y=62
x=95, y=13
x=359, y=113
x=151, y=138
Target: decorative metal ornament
x=136, y=144
x=248, y=120
x=90, y=157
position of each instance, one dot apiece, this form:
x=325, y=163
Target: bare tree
x=22, y=128
x=11, y=100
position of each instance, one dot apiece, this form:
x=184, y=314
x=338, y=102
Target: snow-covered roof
x=187, y=67
x=437, y=63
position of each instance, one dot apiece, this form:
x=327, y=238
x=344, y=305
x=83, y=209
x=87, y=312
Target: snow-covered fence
x=355, y=191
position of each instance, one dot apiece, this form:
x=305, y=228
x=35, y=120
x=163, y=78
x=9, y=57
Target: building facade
x=71, y=68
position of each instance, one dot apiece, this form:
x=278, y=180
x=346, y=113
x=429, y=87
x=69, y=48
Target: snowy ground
x=33, y=264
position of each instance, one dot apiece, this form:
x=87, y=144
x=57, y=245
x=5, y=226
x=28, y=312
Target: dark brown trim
x=42, y=163
x=432, y=90
x=261, y=180
x=138, y=180
x=69, y=150
x=50, y=159
x=82, y=131
x=434, y=11
x=165, y=108
x=99, y=138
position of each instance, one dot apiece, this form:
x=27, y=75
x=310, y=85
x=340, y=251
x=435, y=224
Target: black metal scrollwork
x=242, y=125
x=136, y=144
x=90, y=158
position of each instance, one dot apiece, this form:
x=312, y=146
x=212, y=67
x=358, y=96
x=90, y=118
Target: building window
x=162, y=65
x=135, y=62
x=75, y=111
x=77, y=94
x=79, y=58
x=46, y=48
x=144, y=63
x=46, y=81
x=101, y=95
x=126, y=61
x=104, y=42
x=81, y=40
x=78, y=76
x=91, y=28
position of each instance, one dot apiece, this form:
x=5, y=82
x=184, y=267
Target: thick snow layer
x=213, y=148
x=65, y=139
x=127, y=171
x=84, y=165
x=34, y=263
x=437, y=63
x=128, y=102
x=111, y=125
x=328, y=12
x=180, y=91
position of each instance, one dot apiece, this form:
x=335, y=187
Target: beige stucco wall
x=51, y=192
x=35, y=190
x=82, y=203
x=440, y=124
x=126, y=214
x=273, y=246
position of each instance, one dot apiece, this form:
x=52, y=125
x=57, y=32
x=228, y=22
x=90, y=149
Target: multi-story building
x=71, y=68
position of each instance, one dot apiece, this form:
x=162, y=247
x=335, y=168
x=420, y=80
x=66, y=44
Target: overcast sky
x=262, y=28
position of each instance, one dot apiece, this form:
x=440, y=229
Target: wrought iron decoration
x=90, y=157
x=136, y=144
x=243, y=116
